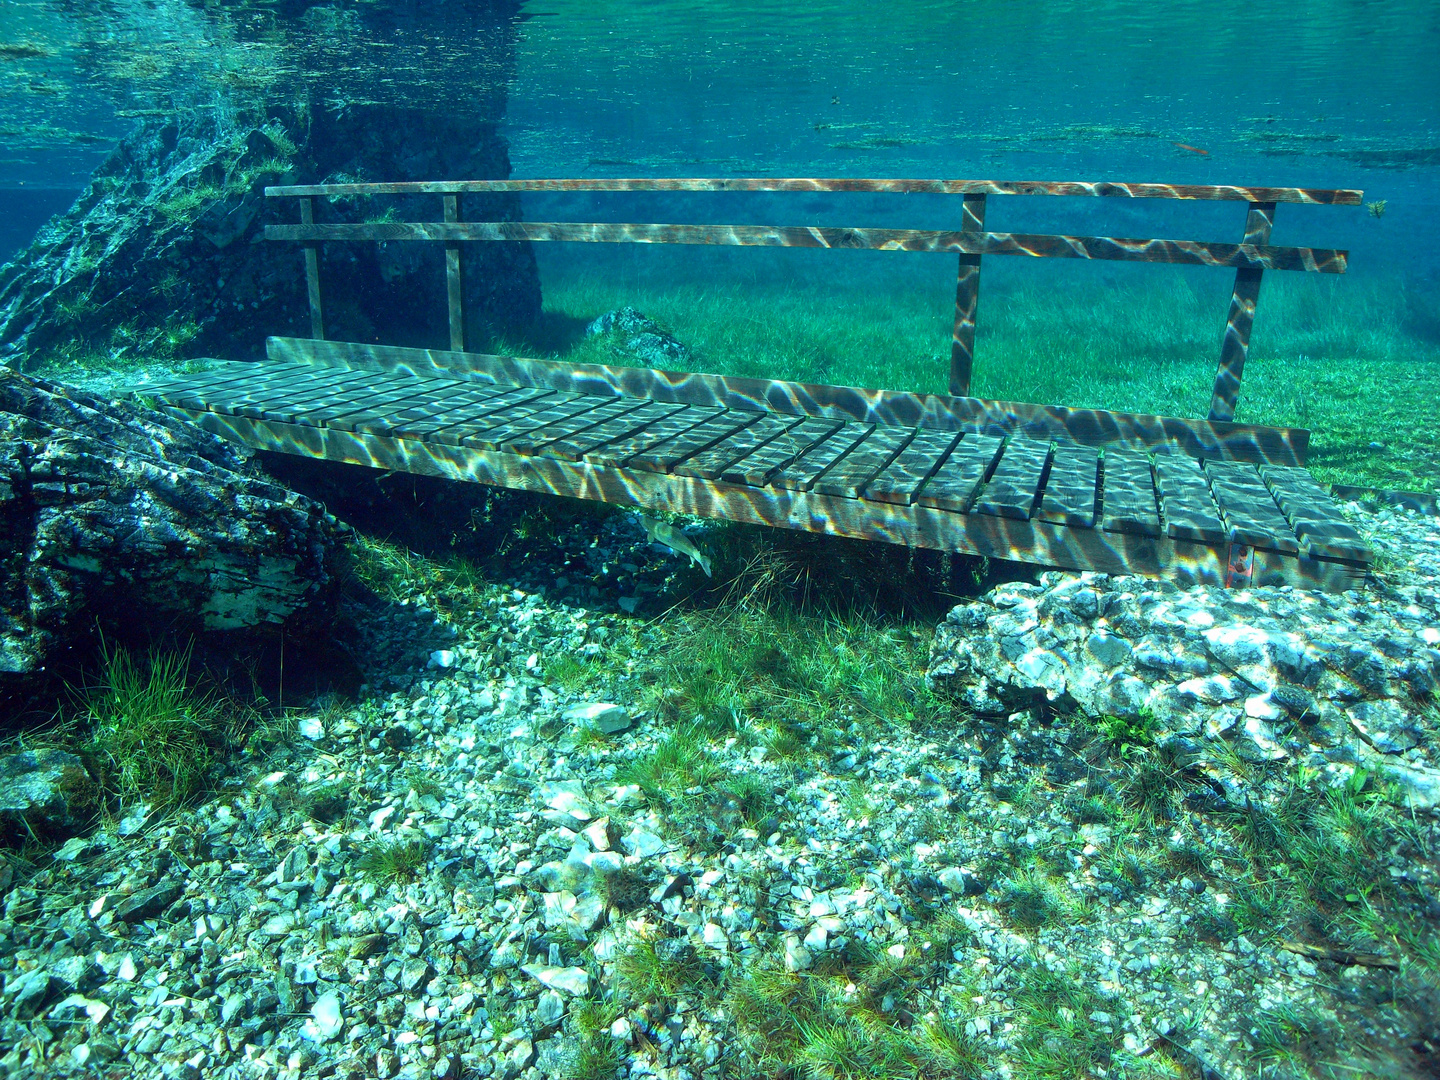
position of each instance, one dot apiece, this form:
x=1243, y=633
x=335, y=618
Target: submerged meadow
x=1357, y=362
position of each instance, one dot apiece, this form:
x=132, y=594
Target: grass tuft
x=391, y=861
x=152, y=735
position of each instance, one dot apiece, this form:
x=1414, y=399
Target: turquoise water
x=1330, y=94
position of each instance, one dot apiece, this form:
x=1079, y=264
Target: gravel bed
x=257, y=934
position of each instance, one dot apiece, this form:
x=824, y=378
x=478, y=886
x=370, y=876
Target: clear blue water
x=1330, y=94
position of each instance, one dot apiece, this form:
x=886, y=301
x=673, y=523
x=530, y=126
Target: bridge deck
x=1017, y=491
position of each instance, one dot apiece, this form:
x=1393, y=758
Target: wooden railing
x=1250, y=258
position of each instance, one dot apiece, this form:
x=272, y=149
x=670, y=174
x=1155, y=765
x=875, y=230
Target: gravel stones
x=37, y=789
x=605, y=717
x=148, y=903
x=257, y=944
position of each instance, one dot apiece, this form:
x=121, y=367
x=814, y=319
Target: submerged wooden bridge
x=1208, y=501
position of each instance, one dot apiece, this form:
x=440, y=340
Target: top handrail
x=1227, y=192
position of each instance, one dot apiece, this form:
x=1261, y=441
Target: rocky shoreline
x=468, y=872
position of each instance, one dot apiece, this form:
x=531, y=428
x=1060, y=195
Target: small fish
x=660, y=532
x=1376, y=208
x=1192, y=149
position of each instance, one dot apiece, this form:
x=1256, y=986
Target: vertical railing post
x=454, y=282
x=1243, y=299
x=312, y=271
x=967, y=295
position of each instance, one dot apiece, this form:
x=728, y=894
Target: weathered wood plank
x=1092, y=427
x=756, y=468
x=1189, y=510
x=431, y=414
x=1014, y=484
x=1248, y=508
x=485, y=416
x=454, y=280
x=1313, y=514
x=291, y=392
x=621, y=451
x=1243, y=298
x=494, y=431
x=954, y=485
x=662, y=457
x=566, y=421
x=600, y=411
x=801, y=474
x=633, y=422
x=312, y=272
x=1070, y=491
x=1128, y=494
x=902, y=479
x=857, y=468
x=711, y=464
x=1322, y=196
x=1036, y=245
x=967, y=298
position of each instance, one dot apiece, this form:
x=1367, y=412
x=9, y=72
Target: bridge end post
x=967, y=295
x=1243, y=298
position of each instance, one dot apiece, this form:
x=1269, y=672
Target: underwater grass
x=152, y=735
x=1350, y=360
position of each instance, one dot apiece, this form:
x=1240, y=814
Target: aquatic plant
x=151, y=735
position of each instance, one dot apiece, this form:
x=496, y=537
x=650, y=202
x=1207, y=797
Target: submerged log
x=117, y=516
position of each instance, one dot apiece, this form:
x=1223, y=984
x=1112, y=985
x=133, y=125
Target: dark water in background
x=1337, y=93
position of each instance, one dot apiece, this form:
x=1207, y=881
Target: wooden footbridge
x=1194, y=500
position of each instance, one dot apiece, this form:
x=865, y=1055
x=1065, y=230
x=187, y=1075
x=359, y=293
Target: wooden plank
x=632, y=420
x=1110, y=189
x=566, y=421
x=1014, y=484
x=1128, y=494
x=957, y=481
x=1092, y=427
x=494, y=431
x=227, y=373
x=1036, y=245
x=1315, y=517
x=848, y=475
x=664, y=456
x=757, y=467
x=1185, y=502
x=1243, y=298
x=967, y=297
x=454, y=282
x=1248, y=508
x=711, y=464
x=283, y=390
x=486, y=417
x=622, y=450
x=1070, y=491
x=312, y=272
x=343, y=409
x=801, y=474
x=902, y=479
x=432, y=411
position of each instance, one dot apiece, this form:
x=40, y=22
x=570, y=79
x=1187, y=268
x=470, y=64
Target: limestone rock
x=112, y=511
x=641, y=337
x=1280, y=673
x=37, y=789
